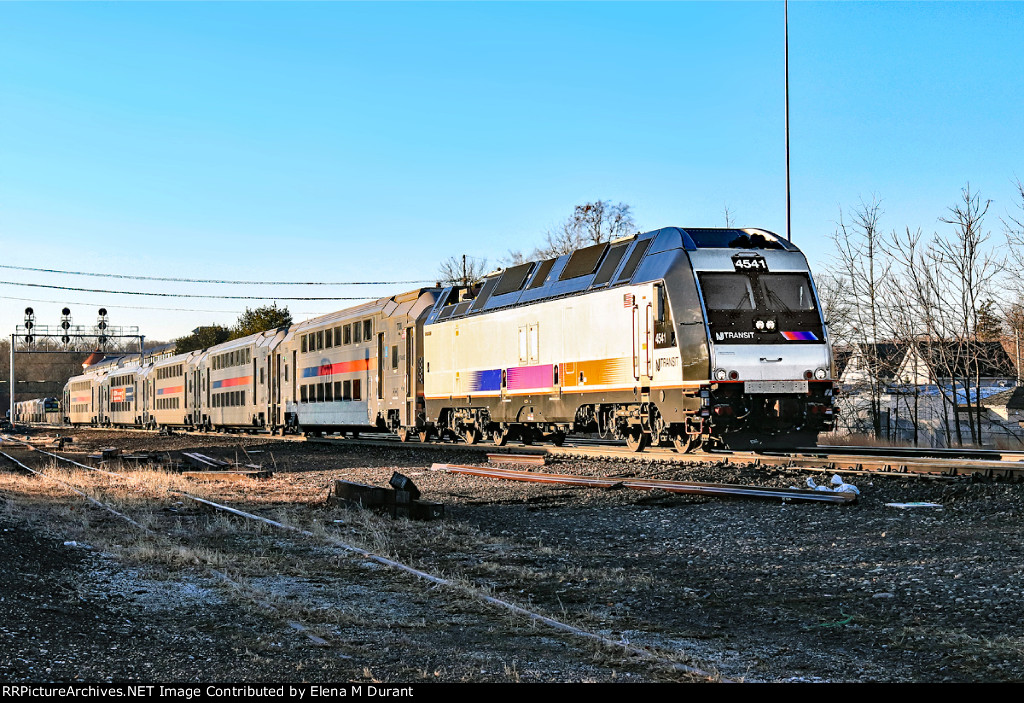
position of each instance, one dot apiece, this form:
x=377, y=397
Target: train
x=692, y=337
x=45, y=411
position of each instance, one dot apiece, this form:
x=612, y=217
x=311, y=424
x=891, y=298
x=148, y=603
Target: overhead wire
x=141, y=307
x=181, y=295
x=212, y=280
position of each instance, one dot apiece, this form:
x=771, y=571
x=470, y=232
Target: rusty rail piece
x=686, y=487
x=884, y=464
x=533, y=459
x=71, y=488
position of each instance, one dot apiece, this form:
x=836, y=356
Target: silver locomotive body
x=629, y=339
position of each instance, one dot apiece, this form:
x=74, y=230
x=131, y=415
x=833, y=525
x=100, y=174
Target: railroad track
x=459, y=587
x=903, y=461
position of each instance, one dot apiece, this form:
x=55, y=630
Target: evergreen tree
x=202, y=338
x=261, y=319
x=990, y=324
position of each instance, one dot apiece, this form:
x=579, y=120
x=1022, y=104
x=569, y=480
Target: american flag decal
x=627, y=300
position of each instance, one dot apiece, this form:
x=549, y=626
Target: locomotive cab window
x=786, y=292
x=727, y=291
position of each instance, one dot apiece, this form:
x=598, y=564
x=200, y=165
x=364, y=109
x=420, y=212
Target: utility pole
x=789, y=221
x=11, y=411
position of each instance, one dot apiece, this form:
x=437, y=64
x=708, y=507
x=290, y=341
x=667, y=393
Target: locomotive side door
x=642, y=324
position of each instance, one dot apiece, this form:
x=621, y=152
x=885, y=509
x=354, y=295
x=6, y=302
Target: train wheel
x=685, y=443
x=558, y=438
x=403, y=434
x=472, y=435
x=636, y=440
x=499, y=436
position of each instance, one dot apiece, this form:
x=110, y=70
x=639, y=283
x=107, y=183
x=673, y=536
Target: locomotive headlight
x=820, y=374
x=759, y=324
x=770, y=324
x=719, y=374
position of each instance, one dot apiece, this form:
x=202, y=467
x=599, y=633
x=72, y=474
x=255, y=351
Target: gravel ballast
x=744, y=589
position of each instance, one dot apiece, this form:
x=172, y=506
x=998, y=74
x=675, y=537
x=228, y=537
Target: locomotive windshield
x=770, y=292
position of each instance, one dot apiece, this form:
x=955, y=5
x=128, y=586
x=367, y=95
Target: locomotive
x=695, y=337
x=698, y=337
x=37, y=411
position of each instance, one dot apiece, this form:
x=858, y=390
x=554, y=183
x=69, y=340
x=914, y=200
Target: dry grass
x=195, y=537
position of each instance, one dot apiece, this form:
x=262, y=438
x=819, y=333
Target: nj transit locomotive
x=38, y=411
x=698, y=337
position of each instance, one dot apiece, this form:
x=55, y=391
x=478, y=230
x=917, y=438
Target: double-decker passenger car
x=359, y=369
x=167, y=391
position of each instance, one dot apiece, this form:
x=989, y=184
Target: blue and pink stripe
x=800, y=336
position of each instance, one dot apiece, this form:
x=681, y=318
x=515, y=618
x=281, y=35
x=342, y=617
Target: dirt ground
x=743, y=589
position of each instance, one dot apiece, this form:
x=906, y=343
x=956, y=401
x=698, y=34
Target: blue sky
x=349, y=141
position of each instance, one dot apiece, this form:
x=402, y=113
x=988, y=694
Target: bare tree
x=730, y=220
x=972, y=268
x=514, y=257
x=462, y=270
x=861, y=274
x=590, y=223
x=947, y=283
x=836, y=308
x=1013, y=228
